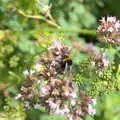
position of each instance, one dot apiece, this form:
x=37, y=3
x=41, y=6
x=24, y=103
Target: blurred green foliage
x=108, y=107
x=38, y=115
x=74, y=14
x=27, y=27
x=12, y=110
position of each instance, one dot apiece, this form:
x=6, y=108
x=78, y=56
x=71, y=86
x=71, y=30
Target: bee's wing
x=66, y=67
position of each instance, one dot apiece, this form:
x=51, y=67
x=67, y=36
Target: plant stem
x=64, y=30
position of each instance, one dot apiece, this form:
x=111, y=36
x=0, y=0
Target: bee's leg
x=66, y=68
x=71, y=70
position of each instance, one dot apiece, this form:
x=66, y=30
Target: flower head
x=99, y=60
x=109, y=30
x=56, y=45
x=109, y=24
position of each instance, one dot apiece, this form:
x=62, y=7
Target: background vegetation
x=28, y=27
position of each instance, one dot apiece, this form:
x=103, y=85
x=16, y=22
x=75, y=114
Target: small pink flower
x=78, y=111
x=73, y=95
x=73, y=102
x=51, y=104
x=62, y=111
x=66, y=92
x=45, y=90
x=55, y=81
x=117, y=25
x=111, y=19
x=110, y=29
x=91, y=110
x=106, y=62
x=56, y=44
x=55, y=92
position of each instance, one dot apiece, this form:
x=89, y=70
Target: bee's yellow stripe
x=67, y=59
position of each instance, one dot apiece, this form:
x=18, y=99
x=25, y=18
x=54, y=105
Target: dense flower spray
x=98, y=59
x=58, y=95
x=109, y=30
x=54, y=62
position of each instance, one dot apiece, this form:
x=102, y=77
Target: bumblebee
x=66, y=64
x=67, y=60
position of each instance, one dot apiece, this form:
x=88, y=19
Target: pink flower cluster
x=109, y=30
x=54, y=63
x=28, y=88
x=109, y=24
x=58, y=95
x=99, y=60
